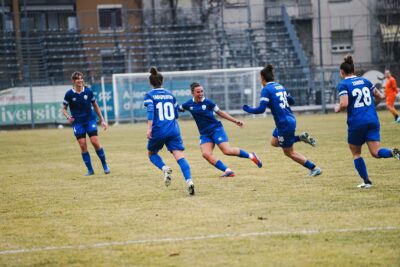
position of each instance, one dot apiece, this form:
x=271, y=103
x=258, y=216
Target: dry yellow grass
x=46, y=202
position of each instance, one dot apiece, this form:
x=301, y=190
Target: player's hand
x=148, y=134
x=70, y=119
x=337, y=108
x=104, y=125
x=239, y=123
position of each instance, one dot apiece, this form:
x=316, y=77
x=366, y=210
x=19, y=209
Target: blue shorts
x=363, y=133
x=172, y=143
x=217, y=137
x=285, y=139
x=81, y=129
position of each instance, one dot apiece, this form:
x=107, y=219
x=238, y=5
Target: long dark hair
x=268, y=73
x=156, y=79
x=348, y=65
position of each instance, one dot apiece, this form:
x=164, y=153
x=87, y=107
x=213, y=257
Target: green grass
x=46, y=202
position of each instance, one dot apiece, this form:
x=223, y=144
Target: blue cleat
x=256, y=160
x=315, y=172
x=106, y=169
x=89, y=173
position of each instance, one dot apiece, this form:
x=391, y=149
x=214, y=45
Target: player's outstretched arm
x=228, y=117
x=98, y=112
x=378, y=94
x=258, y=110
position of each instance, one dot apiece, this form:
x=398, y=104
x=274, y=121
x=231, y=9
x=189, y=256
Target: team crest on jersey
x=74, y=99
x=85, y=97
x=204, y=107
x=191, y=108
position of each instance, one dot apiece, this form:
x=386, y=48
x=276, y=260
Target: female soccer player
x=362, y=120
x=390, y=93
x=275, y=96
x=163, y=129
x=80, y=100
x=212, y=132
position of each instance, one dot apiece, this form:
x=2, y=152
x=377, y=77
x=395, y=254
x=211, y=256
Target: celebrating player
x=356, y=96
x=390, y=93
x=212, y=132
x=80, y=100
x=163, y=129
x=275, y=96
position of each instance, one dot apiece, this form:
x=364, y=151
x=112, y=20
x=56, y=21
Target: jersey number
x=363, y=97
x=282, y=97
x=165, y=111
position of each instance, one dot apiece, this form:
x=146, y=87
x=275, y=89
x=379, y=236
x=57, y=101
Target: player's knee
x=206, y=155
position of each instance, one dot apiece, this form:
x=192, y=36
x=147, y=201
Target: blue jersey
x=163, y=105
x=80, y=104
x=275, y=96
x=203, y=114
x=361, y=109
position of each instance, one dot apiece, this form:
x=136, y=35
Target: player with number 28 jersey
x=361, y=109
x=357, y=97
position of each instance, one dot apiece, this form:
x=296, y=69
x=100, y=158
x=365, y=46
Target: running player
x=356, y=96
x=80, y=100
x=390, y=93
x=212, y=132
x=163, y=129
x=276, y=97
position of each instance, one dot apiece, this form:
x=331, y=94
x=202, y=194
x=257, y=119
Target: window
x=342, y=41
x=109, y=17
x=338, y=1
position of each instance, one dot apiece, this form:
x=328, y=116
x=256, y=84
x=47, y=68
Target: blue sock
x=86, y=159
x=185, y=168
x=157, y=161
x=220, y=166
x=385, y=153
x=101, y=155
x=360, y=166
x=309, y=165
x=297, y=139
x=243, y=154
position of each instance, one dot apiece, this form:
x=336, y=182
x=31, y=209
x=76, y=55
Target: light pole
x=321, y=62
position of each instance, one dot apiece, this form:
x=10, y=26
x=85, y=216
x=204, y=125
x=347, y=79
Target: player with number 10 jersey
x=163, y=129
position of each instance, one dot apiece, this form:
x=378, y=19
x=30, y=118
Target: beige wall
x=352, y=15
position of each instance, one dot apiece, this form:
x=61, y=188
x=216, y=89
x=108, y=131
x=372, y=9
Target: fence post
x=103, y=91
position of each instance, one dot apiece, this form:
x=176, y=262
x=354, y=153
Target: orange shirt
x=391, y=87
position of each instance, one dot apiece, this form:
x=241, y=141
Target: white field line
x=202, y=237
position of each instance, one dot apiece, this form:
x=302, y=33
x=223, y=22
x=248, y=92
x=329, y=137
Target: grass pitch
x=50, y=215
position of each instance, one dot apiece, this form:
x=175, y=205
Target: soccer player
x=163, y=129
x=390, y=93
x=80, y=100
x=356, y=96
x=212, y=132
x=276, y=97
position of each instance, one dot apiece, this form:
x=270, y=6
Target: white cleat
x=364, y=186
x=167, y=175
x=306, y=138
x=315, y=172
x=396, y=153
